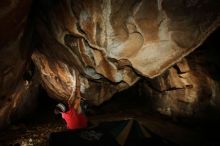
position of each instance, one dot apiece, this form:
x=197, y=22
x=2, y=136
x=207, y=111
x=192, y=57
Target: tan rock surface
x=111, y=41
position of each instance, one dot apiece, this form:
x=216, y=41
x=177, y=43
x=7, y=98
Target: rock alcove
x=165, y=52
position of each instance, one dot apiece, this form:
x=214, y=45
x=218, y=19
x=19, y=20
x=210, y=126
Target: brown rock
x=110, y=41
x=183, y=93
x=16, y=93
x=109, y=45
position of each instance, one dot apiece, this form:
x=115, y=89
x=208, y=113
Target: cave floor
x=34, y=131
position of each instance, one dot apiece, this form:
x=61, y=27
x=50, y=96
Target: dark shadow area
x=124, y=101
x=207, y=55
x=35, y=128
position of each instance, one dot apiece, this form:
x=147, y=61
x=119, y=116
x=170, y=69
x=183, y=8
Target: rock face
x=16, y=93
x=107, y=44
x=115, y=42
x=191, y=85
x=182, y=90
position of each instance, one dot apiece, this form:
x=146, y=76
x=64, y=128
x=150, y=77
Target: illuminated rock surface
x=111, y=44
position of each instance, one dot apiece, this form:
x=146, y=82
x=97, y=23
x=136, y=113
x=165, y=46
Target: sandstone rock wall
x=16, y=93
x=116, y=42
x=111, y=44
x=187, y=88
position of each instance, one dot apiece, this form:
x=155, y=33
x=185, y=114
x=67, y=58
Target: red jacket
x=74, y=120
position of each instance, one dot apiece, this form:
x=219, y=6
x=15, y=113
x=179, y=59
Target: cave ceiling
x=108, y=44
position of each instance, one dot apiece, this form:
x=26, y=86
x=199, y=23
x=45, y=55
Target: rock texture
x=16, y=93
x=116, y=42
x=108, y=44
x=188, y=87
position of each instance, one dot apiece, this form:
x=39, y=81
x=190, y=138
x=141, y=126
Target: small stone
x=30, y=140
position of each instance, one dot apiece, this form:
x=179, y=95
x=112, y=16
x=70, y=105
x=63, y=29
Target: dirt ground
x=33, y=131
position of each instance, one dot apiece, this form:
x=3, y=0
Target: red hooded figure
x=74, y=119
x=74, y=116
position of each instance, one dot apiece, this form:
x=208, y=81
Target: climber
x=79, y=134
x=74, y=119
x=74, y=112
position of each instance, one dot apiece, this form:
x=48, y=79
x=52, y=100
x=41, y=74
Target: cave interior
x=148, y=72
